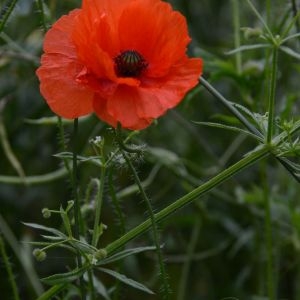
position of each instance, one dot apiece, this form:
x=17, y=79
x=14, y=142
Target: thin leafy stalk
x=6, y=12
x=27, y=265
x=99, y=200
x=237, y=38
x=229, y=106
x=91, y=284
x=9, y=152
x=272, y=90
x=163, y=273
x=261, y=18
x=7, y=264
x=191, y=196
x=40, y=5
x=76, y=201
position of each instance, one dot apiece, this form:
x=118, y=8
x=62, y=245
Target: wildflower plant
x=112, y=71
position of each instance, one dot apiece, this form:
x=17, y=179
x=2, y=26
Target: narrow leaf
x=125, y=253
x=247, y=47
x=290, y=52
x=64, y=278
x=49, y=229
x=126, y=280
x=54, y=290
x=231, y=128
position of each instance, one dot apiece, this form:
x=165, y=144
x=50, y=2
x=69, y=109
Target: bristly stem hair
x=163, y=273
x=76, y=201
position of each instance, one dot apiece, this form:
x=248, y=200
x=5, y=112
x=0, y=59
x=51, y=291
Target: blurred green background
x=213, y=248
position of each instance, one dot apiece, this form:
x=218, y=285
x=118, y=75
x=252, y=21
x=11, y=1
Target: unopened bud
x=100, y=254
x=39, y=254
x=46, y=213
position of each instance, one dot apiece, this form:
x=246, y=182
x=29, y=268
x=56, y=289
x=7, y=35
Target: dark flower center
x=130, y=63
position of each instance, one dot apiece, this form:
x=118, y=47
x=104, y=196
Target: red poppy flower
x=125, y=60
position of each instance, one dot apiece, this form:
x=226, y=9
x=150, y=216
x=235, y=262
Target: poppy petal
x=122, y=107
x=66, y=97
x=156, y=31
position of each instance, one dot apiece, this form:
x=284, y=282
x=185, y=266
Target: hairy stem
x=7, y=264
x=76, y=202
x=188, y=198
x=229, y=106
x=272, y=90
x=163, y=273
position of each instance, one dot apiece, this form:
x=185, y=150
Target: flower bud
x=100, y=254
x=46, y=213
x=39, y=254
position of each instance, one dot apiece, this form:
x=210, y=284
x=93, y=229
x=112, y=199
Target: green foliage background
x=222, y=235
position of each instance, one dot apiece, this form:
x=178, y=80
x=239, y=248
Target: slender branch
x=163, y=273
x=188, y=198
x=9, y=269
x=230, y=107
x=76, y=202
x=271, y=105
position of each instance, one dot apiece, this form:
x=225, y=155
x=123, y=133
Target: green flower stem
x=188, y=198
x=76, y=202
x=4, y=18
x=99, y=200
x=271, y=105
x=7, y=264
x=230, y=107
x=237, y=39
x=163, y=273
x=18, y=251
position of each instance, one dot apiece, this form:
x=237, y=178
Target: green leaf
x=126, y=280
x=290, y=52
x=64, y=278
x=231, y=128
x=54, y=290
x=49, y=229
x=247, y=47
x=125, y=253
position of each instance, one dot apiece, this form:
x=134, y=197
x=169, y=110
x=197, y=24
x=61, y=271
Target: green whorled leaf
x=99, y=287
x=66, y=221
x=49, y=229
x=124, y=253
x=83, y=246
x=126, y=280
x=246, y=48
x=290, y=52
x=64, y=278
x=227, y=127
x=52, y=238
x=5, y=13
x=50, y=293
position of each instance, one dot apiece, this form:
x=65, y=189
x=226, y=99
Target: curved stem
x=163, y=273
x=271, y=105
x=76, y=202
x=9, y=270
x=99, y=199
x=230, y=107
x=188, y=198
